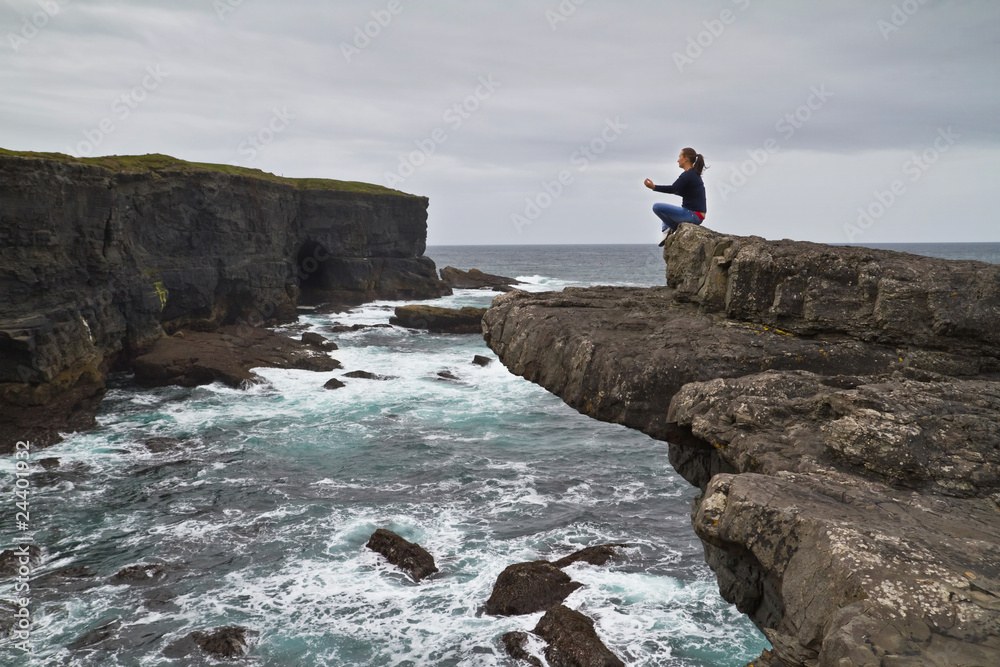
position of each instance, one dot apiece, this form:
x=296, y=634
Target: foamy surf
x=260, y=516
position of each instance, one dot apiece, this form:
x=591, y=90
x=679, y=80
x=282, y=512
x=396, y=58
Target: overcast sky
x=863, y=121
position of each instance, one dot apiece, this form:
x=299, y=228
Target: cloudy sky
x=865, y=121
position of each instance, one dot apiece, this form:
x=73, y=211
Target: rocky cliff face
x=99, y=257
x=839, y=409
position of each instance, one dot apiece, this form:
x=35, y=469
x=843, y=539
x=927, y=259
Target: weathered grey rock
x=572, y=640
x=525, y=588
x=837, y=406
x=475, y=279
x=98, y=257
x=225, y=356
x=407, y=556
x=333, y=383
x=480, y=360
x=465, y=320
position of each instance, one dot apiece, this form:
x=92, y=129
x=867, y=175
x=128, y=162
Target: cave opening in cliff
x=312, y=265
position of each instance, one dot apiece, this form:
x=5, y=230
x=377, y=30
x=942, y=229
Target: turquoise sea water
x=261, y=518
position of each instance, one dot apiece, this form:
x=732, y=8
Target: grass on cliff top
x=139, y=164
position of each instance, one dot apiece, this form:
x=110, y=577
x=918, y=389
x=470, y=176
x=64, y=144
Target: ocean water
x=260, y=519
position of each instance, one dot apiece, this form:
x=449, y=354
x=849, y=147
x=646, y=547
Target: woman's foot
x=667, y=232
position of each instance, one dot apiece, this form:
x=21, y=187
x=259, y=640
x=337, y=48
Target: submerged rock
x=12, y=560
x=334, y=383
x=160, y=445
x=407, y=556
x=140, y=574
x=227, y=642
x=225, y=356
x=343, y=328
x=8, y=618
x=596, y=555
x=49, y=463
x=479, y=360
x=572, y=640
x=465, y=320
x=526, y=588
x=96, y=636
x=365, y=375
x=514, y=643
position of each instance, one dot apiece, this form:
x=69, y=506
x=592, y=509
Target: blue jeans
x=674, y=215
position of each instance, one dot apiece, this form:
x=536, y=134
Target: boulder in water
x=526, y=588
x=573, y=642
x=319, y=342
x=407, y=556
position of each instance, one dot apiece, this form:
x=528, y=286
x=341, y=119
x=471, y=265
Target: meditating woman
x=689, y=187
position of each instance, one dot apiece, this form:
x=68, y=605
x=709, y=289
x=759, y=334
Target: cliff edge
x=838, y=407
x=100, y=257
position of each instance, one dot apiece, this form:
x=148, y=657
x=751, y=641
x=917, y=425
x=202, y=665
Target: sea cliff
x=100, y=257
x=839, y=409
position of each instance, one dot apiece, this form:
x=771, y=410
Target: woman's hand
x=649, y=184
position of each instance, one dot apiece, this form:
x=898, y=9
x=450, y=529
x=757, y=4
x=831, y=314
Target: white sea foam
x=287, y=480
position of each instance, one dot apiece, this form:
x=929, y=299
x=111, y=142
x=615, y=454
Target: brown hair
x=697, y=159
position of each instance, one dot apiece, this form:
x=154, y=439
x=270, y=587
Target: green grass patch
x=157, y=163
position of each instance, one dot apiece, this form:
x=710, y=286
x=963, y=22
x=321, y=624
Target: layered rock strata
x=100, y=257
x=476, y=279
x=465, y=320
x=838, y=408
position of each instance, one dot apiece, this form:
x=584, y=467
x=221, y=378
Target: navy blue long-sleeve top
x=690, y=188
